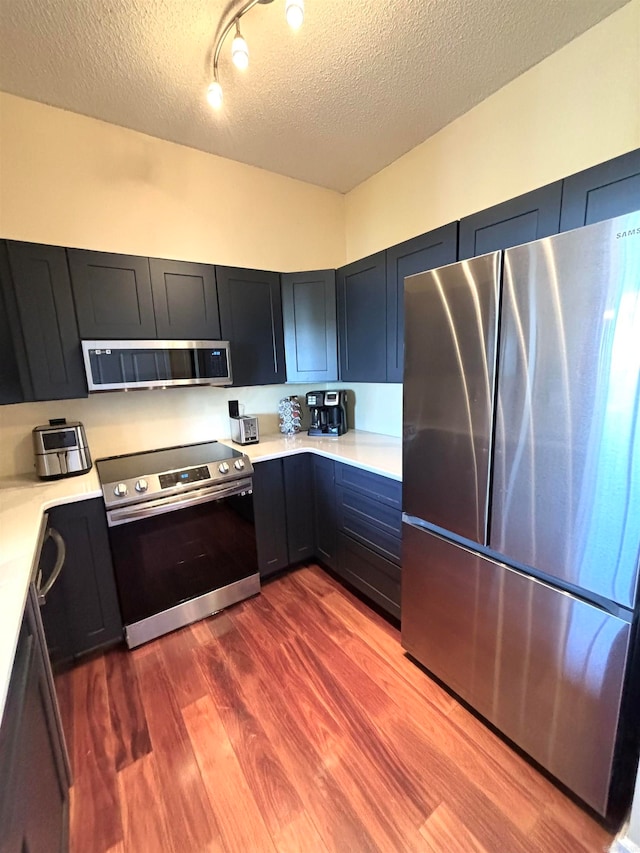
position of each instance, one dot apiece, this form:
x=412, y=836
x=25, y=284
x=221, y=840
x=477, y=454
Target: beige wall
x=143, y=420
x=579, y=107
x=71, y=180
x=75, y=181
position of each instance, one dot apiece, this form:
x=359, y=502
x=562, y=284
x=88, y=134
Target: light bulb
x=239, y=50
x=294, y=13
x=214, y=95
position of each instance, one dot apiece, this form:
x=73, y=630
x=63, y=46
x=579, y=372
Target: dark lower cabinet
x=310, y=331
x=369, y=524
x=34, y=777
x=528, y=217
x=185, y=300
x=81, y=611
x=371, y=574
x=324, y=490
x=602, y=192
x=251, y=320
x=270, y=515
x=426, y=252
x=283, y=512
x=44, y=333
x=298, y=476
x=362, y=319
x=112, y=295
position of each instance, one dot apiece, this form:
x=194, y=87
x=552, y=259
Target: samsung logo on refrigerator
x=628, y=233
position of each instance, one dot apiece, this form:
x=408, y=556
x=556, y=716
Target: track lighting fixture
x=294, y=14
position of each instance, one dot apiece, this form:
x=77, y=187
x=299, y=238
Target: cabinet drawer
x=370, y=573
x=381, y=488
x=371, y=522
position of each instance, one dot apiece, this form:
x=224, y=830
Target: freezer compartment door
x=544, y=667
x=566, y=487
x=449, y=372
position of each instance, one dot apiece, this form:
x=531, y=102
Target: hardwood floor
x=293, y=722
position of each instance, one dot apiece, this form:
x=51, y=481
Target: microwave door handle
x=52, y=533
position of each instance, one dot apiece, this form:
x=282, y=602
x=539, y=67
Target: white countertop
x=24, y=499
x=22, y=502
x=381, y=454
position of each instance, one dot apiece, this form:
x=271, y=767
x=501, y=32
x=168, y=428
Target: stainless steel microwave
x=128, y=365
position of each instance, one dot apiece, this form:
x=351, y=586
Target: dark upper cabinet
x=298, y=477
x=251, y=320
x=45, y=338
x=12, y=369
x=269, y=509
x=185, y=300
x=112, y=295
x=602, y=192
x=426, y=252
x=520, y=220
x=81, y=612
x=326, y=532
x=362, y=319
x=310, y=331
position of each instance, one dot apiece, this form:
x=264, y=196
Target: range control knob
x=223, y=468
x=120, y=490
x=142, y=486
x=239, y=464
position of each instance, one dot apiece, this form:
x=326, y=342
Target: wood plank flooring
x=293, y=722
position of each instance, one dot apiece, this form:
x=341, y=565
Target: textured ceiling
x=361, y=83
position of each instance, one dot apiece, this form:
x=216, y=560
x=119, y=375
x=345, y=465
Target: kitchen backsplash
x=124, y=422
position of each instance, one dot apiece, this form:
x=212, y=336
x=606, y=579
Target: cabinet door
x=13, y=357
x=251, y=319
x=298, y=474
x=371, y=574
x=269, y=510
x=185, y=300
x=112, y=295
x=607, y=190
x=362, y=320
x=43, y=297
x=310, y=330
x=82, y=611
x=34, y=785
x=426, y=252
x=520, y=220
x=325, y=510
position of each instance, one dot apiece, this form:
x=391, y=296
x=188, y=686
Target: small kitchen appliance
x=182, y=534
x=244, y=428
x=132, y=365
x=60, y=449
x=328, y=412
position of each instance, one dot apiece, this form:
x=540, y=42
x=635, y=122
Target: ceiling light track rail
x=294, y=14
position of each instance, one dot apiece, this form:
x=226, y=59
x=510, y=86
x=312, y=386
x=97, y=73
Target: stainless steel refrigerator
x=521, y=480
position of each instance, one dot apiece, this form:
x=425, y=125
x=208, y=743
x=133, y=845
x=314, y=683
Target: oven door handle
x=172, y=503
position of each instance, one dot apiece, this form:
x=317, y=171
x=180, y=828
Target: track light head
x=294, y=13
x=239, y=49
x=214, y=95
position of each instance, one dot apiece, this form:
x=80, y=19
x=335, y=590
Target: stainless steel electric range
x=182, y=534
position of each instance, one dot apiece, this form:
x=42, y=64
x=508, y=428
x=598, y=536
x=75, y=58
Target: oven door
x=177, y=560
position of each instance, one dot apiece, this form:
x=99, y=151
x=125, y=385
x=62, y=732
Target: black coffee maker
x=328, y=410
